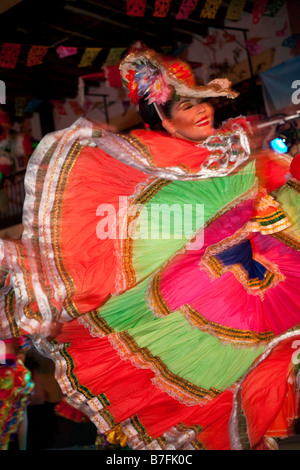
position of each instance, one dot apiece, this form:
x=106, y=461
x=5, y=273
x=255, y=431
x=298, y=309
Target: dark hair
x=149, y=114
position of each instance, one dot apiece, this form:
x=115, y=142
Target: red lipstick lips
x=202, y=122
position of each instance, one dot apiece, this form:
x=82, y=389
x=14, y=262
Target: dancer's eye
x=186, y=105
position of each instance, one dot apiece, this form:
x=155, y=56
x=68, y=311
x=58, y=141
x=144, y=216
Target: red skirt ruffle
x=114, y=393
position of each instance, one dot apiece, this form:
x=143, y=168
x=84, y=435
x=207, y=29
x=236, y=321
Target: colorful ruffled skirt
x=175, y=326
x=161, y=364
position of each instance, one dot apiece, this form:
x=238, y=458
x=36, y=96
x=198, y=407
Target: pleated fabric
x=175, y=276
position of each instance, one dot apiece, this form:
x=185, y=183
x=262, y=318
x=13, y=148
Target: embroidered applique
x=253, y=271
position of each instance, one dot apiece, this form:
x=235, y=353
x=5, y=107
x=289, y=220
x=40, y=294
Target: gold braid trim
x=43, y=231
x=288, y=239
x=224, y=333
x=9, y=301
x=156, y=301
x=56, y=217
x=254, y=286
x=138, y=426
x=294, y=184
x=176, y=386
x=139, y=146
x=99, y=323
x=127, y=258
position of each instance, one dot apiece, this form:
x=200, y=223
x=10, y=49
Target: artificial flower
x=181, y=72
x=145, y=77
x=132, y=86
x=159, y=92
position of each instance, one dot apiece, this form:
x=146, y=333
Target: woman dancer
x=158, y=319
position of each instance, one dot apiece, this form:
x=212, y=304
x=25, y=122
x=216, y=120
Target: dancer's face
x=190, y=119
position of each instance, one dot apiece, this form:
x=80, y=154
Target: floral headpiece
x=149, y=75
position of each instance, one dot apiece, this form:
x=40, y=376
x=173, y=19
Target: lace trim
x=173, y=385
x=239, y=339
x=96, y=330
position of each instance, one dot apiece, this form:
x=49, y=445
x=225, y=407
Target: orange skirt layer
x=125, y=394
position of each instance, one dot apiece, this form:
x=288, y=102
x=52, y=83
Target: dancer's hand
x=54, y=329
